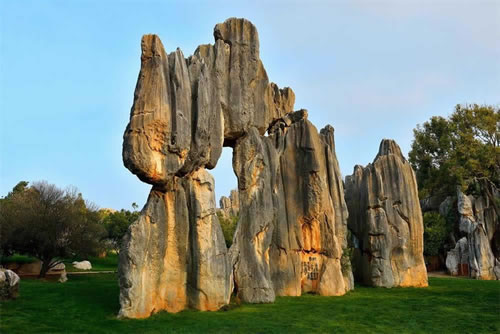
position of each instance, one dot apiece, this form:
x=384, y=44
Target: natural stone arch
x=292, y=208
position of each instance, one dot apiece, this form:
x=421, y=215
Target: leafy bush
x=116, y=225
x=228, y=227
x=345, y=260
x=435, y=233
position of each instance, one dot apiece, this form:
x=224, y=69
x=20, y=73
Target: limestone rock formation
x=386, y=220
x=175, y=256
x=457, y=259
x=230, y=206
x=291, y=182
x=478, y=220
x=9, y=284
x=292, y=214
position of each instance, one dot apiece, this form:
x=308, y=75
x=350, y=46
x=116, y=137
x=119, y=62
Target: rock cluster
x=293, y=218
x=230, y=206
x=9, y=284
x=292, y=215
x=386, y=220
x=477, y=253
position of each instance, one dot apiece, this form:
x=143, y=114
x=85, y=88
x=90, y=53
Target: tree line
x=461, y=151
x=53, y=224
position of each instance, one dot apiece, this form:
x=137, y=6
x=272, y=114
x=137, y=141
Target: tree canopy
x=48, y=223
x=116, y=225
x=453, y=151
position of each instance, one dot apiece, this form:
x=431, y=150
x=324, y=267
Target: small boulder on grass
x=82, y=265
x=63, y=278
x=9, y=284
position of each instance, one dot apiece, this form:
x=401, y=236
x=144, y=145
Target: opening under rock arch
x=226, y=183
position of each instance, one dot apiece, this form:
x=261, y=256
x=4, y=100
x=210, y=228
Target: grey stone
x=385, y=217
x=175, y=256
x=9, y=284
x=457, y=257
x=230, y=206
x=291, y=181
x=446, y=206
x=478, y=219
x=292, y=216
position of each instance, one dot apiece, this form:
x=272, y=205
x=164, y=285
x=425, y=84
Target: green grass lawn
x=18, y=258
x=89, y=304
x=108, y=263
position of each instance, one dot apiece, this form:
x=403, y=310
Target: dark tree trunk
x=45, y=268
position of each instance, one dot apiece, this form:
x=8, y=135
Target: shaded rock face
x=9, y=284
x=478, y=220
x=386, y=220
x=292, y=214
x=457, y=259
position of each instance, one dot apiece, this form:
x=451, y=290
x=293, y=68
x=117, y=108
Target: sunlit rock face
x=386, y=219
x=175, y=256
x=292, y=215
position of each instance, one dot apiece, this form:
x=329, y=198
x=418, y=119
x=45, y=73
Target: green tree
x=7, y=228
x=228, y=226
x=49, y=223
x=452, y=151
x=116, y=224
x=435, y=233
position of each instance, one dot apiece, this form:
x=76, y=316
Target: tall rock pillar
x=386, y=220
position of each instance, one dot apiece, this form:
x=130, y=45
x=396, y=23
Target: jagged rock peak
x=387, y=147
x=151, y=46
x=292, y=223
x=185, y=110
x=237, y=31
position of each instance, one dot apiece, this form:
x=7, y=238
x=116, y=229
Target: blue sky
x=371, y=69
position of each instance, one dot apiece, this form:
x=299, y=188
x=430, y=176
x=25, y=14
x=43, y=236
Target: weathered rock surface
x=385, y=218
x=292, y=215
x=478, y=220
x=175, y=255
x=230, y=206
x=290, y=183
x=184, y=109
x=457, y=259
x=9, y=284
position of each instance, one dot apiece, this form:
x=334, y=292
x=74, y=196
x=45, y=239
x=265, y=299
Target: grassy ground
x=108, y=263
x=89, y=304
x=17, y=258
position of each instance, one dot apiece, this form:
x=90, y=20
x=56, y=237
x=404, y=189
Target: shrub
x=435, y=233
x=228, y=227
